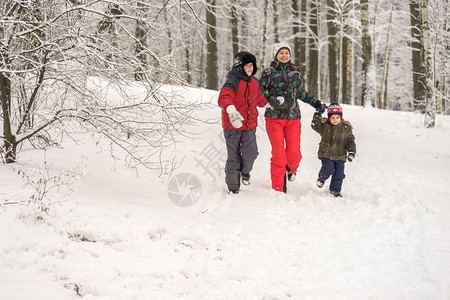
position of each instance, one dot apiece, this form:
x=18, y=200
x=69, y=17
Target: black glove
x=320, y=107
x=351, y=156
x=273, y=101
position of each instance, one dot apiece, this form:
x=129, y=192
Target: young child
x=337, y=140
x=238, y=99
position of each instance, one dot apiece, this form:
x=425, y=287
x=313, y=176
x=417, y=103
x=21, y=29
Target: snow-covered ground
x=133, y=234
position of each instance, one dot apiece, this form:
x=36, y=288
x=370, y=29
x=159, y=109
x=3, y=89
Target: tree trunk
x=5, y=98
x=275, y=21
x=234, y=28
x=169, y=32
x=416, y=23
x=140, y=46
x=299, y=35
x=430, y=100
x=313, y=72
x=332, y=52
x=296, y=31
x=345, y=69
x=386, y=85
x=445, y=53
x=303, y=38
x=211, y=47
x=368, y=93
x=264, y=35
x=381, y=97
x=107, y=25
x=188, y=65
x=345, y=54
x=445, y=82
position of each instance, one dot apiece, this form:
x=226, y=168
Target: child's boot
x=245, y=178
x=336, y=194
x=320, y=182
x=292, y=176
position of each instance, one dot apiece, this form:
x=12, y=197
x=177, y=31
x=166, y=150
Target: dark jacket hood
x=234, y=76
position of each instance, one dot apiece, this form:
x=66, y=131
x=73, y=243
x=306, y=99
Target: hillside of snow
x=138, y=234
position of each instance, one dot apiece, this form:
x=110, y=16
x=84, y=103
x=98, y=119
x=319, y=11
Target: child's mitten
x=234, y=116
x=351, y=156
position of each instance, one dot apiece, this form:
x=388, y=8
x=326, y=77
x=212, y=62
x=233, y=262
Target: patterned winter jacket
x=285, y=79
x=243, y=92
x=337, y=140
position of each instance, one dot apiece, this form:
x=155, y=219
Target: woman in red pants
x=283, y=124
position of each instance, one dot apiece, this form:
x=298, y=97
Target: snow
x=120, y=235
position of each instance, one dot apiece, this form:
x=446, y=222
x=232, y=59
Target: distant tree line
x=56, y=55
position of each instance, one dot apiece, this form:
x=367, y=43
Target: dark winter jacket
x=243, y=92
x=285, y=79
x=337, y=140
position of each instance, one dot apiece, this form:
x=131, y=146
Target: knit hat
x=243, y=58
x=278, y=47
x=334, y=109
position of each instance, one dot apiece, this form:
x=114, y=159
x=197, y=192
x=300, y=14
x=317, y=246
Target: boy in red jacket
x=239, y=98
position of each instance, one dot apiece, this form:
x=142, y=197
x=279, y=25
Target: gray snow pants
x=242, y=152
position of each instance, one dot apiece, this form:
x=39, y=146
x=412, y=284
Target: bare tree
x=444, y=82
x=296, y=28
x=211, y=47
x=368, y=65
x=56, y=58
x=440, y=28
x=300, y=34
x=264, y=36
x=333, y=48
x=234, y=27
x=346, y=51
x=141, y=42
x=187, y=28
x=416, y=25
x=382, y=96
x=275, y=21
x=426, y=67
x=313, y=71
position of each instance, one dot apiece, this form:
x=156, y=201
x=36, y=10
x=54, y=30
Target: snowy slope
x=122, y=237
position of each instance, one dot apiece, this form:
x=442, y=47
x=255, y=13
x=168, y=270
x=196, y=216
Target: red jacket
x=243, y=92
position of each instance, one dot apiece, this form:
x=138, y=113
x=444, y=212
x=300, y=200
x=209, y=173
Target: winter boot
x=233, y=191
x=292, y=176
x=336, y=194
x=320, y=182
x=285, y=180
x=245, y=178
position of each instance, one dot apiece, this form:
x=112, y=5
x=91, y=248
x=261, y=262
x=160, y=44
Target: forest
x=58, y=56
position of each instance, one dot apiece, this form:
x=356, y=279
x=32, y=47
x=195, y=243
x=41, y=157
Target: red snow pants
x=284, y=136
